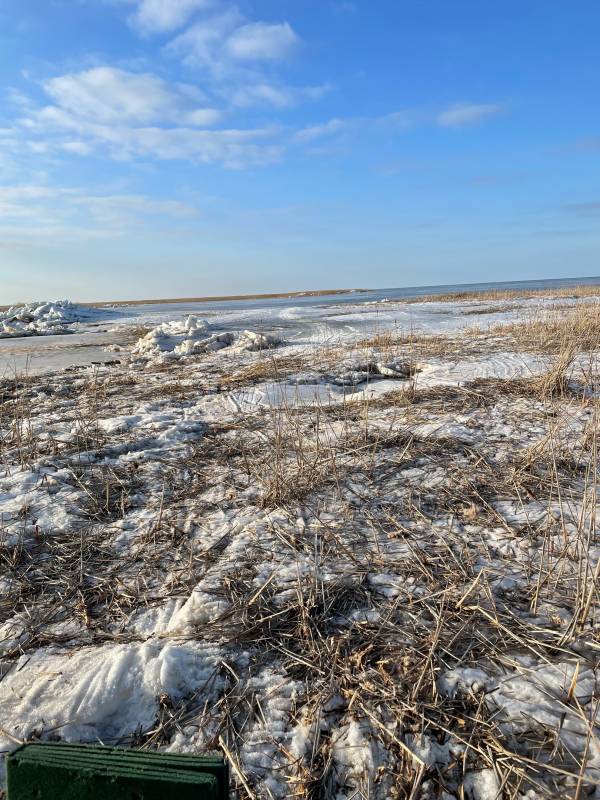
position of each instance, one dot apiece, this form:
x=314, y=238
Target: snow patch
x=100, y=693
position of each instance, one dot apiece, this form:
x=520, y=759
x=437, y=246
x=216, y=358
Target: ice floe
x=42, y=318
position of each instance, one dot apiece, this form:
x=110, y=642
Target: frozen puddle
x=281, y=395
x=39, y=355
x=298, y=392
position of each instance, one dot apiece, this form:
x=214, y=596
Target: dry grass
x=503, y=295
x=419, y=344
x=385, y=670
x=555, y=330
x=499, y=308
x=268, y=367
x=331, y=492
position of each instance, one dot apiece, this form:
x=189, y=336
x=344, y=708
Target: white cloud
x=77, y=147
x=319, y=131
x=19, y=202
x=138, y=115
x=265, y=94
x=164, y=16
x=262, y=94
x=41, y=212
x=233, y=148
x=262, y=41
x=461, y=114
x=227, y=45
x=232, y=50
x=203, y=43
x=108, y=95
x=128, y=115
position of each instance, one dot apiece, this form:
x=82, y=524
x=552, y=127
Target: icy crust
x=175, y=340
x=42, y=319
x=100, y=693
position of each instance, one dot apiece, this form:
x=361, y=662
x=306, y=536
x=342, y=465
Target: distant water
x=547, y=283
x=394, y=293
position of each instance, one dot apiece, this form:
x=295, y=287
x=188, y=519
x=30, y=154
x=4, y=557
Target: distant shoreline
x=226, y=297
x=211, y=299
x=408, y=294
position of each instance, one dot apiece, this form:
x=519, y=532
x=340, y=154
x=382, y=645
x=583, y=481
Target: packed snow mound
x=173, y=340
x=41, y=319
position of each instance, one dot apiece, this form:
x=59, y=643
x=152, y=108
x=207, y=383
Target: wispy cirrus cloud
x=203, y=43
x=239, y=56
x=164, y=16
x=262, y=41
x=225, y=40
x=40, y=211
x=274, y=96
x=233, y=54
x=139, y=115
x=128, y=114
x=461, y=115
x=108, y=95
x=323, y=129
x=231, y=147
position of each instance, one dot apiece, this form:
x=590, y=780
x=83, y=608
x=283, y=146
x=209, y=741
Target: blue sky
x=193, y=147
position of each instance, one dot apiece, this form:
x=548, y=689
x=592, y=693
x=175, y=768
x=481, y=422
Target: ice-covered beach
x=351, y=544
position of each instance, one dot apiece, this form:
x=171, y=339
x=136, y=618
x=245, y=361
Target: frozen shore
x=356, y=544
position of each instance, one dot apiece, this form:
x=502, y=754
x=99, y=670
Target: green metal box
x=49, y=771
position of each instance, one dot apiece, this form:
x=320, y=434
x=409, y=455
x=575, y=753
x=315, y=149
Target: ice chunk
x=177, y=339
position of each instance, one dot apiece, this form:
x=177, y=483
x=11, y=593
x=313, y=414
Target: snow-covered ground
x=355, y=545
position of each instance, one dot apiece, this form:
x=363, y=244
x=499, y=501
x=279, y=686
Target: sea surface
x=367, y=296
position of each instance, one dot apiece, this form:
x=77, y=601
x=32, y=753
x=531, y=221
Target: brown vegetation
x=350, y=496
x=502, y=295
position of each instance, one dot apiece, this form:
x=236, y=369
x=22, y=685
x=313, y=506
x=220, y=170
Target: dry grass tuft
x=554, y=382
x=413, y=344
x=265, y=368
x=555, y=330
